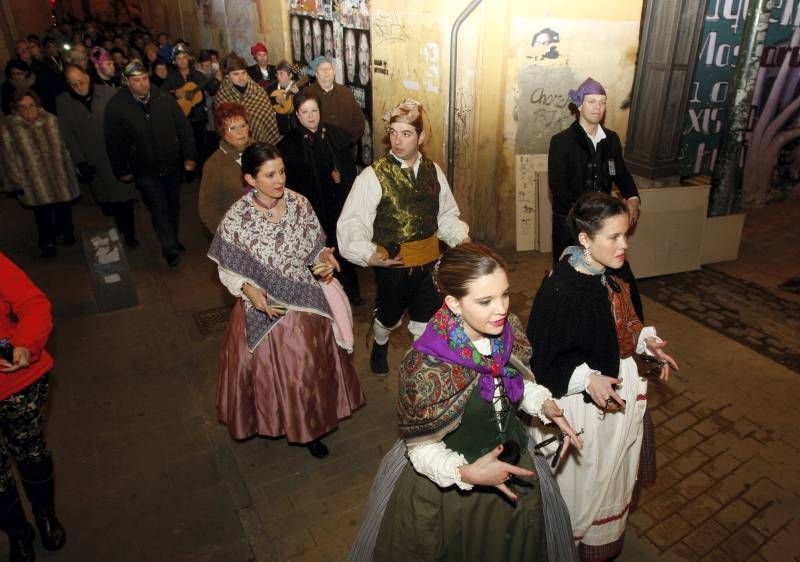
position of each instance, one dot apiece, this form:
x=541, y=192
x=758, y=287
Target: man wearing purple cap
x=586, y=157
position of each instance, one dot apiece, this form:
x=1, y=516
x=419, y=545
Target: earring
x=587, y=257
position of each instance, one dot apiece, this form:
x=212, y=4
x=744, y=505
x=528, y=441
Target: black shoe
x=51, y=532
x=22, y=546
x=48, y=251
x=317, y=449
x=181, y=247
x=173, y=259
x=132, y=243
x=378, y=359
x=68, y=240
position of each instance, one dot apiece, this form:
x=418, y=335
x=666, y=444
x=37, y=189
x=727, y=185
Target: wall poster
x=340, y=31
x=771, y=161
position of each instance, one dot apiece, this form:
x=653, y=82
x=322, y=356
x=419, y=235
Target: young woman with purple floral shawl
x=443, y=492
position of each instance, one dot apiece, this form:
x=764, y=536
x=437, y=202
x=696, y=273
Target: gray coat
x=84, y=136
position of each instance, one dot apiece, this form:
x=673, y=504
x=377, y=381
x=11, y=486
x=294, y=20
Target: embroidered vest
x=409, y=207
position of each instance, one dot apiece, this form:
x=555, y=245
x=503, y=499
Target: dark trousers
x=401, y=288
x=122, y=213
x=562, y=237
x=22, y=426
x=162, y=197
x=51, y=220
x=199, y=128
x=348, y=277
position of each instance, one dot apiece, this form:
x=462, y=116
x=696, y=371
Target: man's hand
x=380, y=260
x=633, y=209
x=189, y=165
x=127, y=178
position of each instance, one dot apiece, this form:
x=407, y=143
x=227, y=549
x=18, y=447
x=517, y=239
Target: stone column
x=667, y=56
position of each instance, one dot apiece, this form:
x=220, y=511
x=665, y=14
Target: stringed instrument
x=283, y=103
x=189, y=96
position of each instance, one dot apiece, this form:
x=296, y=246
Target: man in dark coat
x=339, y=107
x=81, y=115
x=586, y=157
x=150, y=142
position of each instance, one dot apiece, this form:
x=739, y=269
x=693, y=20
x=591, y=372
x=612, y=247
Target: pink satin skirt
x=296, y=383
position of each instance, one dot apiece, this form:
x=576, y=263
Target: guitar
x=283, y=99
x=189, y=96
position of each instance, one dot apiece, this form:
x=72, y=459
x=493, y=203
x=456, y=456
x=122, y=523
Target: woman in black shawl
x=320, y=165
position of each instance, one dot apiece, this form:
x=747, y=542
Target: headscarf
x=589, y=86
x=445, y=338
x=134, y=68
x=180, y=49
x=314, y=64
x=99, y=55
x=409, y=108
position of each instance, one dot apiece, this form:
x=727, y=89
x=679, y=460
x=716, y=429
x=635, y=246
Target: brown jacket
x=222, y=185
x=340, y=108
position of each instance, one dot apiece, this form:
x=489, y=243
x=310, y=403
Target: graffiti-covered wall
x=339, y=30
x=771, y=160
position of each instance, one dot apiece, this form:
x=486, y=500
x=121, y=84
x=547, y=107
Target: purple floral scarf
x=445, y=339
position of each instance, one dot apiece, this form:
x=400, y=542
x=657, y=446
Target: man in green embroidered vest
x=397, y=211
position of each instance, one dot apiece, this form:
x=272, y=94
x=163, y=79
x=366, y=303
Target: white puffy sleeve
x=354, y=228
x=451, y=230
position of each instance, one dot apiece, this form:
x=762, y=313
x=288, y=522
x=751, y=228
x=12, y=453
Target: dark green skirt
x=424, y=522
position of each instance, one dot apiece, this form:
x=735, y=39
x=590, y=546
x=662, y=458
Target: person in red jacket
x=25, y=325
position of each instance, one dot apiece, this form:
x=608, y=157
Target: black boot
x=378, y=359
x=317, y=449
x=15, y=524
x=37, y=479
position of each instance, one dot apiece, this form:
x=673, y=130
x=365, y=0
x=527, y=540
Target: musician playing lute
x=190, y=86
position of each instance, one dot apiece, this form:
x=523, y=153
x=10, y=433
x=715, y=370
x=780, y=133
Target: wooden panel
x=721, y=238
x=669, y=236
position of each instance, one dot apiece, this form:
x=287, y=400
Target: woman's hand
x=327, y=256
x=656, y=347
x=325, y=266
x=21, y=359
x=602, y=391
x=258, y=298
x=489, y=471
x=556, y=415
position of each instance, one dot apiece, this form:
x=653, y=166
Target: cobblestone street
x=145, y=472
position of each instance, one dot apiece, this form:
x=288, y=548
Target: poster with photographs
x=340, y=31
x=357, y=76
x=311, y=37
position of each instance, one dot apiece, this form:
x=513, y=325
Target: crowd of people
x=134, y=116
x=130, y=114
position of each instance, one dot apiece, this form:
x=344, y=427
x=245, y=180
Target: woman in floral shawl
x=281, y=370
x=468, y=493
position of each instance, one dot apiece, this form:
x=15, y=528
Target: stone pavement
x=145, y=473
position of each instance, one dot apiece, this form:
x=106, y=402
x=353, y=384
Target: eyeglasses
x=234, y=128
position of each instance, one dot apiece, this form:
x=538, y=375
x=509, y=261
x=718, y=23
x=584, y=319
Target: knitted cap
x=258, y=48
